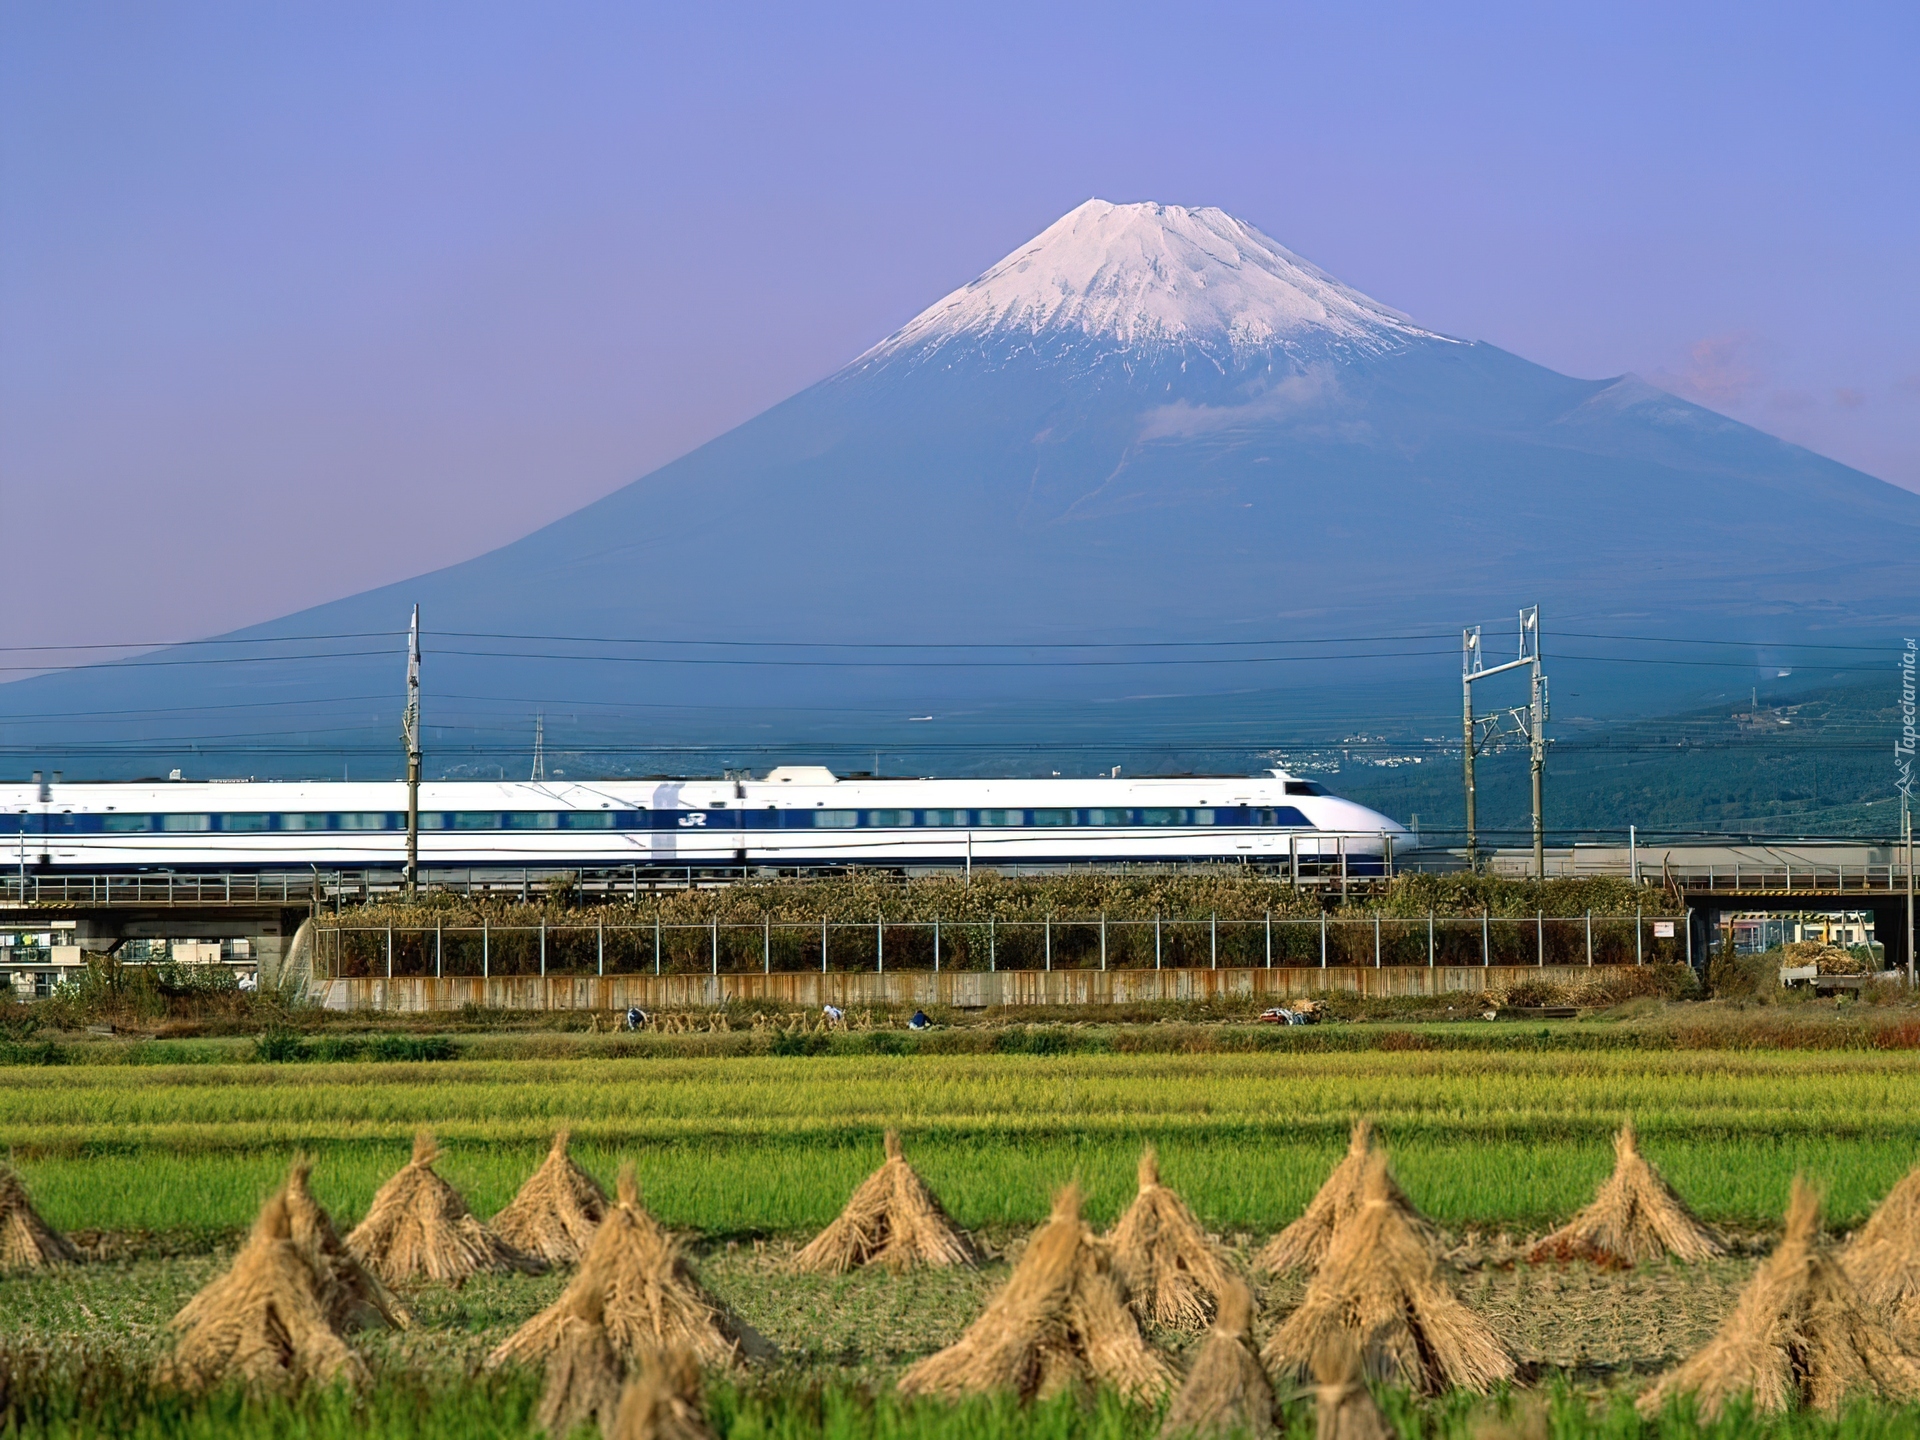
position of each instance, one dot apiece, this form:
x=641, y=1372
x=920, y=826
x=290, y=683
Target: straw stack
x=26, y=1241
x=893, y=1219
x=1227, y=1392
x=584, y=1374
x=1344, y=1409
x=663, y=1402
x=1304, y=1243
x=1883, y=1261
x=419, y=1225
x=1060, y=1322
x=264, y=1321
x=1634, y=1216
x=649, y=1297
x=557, y=1210
x=353, y=1297
x=1172, y=1271
x=1381, y=1288
x=1799, y=1335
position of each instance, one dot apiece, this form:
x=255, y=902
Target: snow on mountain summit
x=1150, y=278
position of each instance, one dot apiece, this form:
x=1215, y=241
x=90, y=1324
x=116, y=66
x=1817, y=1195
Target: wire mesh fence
x=1097, y=943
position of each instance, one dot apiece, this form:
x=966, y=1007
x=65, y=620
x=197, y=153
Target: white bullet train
x=796, y=816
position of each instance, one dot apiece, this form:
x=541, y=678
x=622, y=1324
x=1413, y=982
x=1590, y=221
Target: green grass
x=406, y=1406
x=764, y=1144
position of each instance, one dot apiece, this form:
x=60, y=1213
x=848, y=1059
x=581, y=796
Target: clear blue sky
x=300, y=298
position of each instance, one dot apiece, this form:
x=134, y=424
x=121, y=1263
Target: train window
x=433, y=820
x=126, y=824
x=890, y=819
x=186, y=822
x=1053, y=817
x=303, y=822
x=1303, y=787
x=943, y=817
x=1201, y=817
x=364, y=820
x=1163, y=817
x=1002, y=817
x=836, y=819
x=532, y=820
x=1108, y=817
x=245, y=822
x=589, y=819
x=475, y=820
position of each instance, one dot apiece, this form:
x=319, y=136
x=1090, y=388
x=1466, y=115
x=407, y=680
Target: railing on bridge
x=1832, y=868
x=1862, y=878
x=1078, y=943
x=1324, y=861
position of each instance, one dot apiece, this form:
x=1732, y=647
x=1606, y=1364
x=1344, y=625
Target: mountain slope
x=1149, y=424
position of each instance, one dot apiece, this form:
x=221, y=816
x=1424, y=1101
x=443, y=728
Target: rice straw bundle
x=1172, y=1272
x=663, y=1402
x=419, y=1225
x=557, y=1210
x=1227, y=1392
x=583, y=1373
x=1883, y=1261
x=1799, y=1335
x=1381, y=1287
x=26, y=1241
x=1303, y=1245
x=649, y=1297
x=353, y=1297
x=264, y=1321
x=1344, y=1408
x=1061, y=1321
x=1634, y=1216
x=893, y=1219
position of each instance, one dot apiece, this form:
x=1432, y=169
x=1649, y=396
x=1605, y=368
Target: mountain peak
x=1151, y=278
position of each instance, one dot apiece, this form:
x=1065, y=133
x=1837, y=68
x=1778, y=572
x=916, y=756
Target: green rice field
x=753, y=1145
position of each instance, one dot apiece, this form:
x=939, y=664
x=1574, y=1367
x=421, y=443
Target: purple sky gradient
x=298, y=299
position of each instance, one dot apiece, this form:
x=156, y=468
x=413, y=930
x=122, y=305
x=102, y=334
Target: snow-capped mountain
x=1146, y=424
x=1143, y=280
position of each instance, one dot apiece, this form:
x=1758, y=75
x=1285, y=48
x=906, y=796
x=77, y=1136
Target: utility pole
x=1531, y=722
x=1906, y=824
x=1537, y=737
x=410, y=731
x=539, y=746
x=1469, y=668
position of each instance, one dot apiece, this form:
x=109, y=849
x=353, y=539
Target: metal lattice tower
x=1485, y=734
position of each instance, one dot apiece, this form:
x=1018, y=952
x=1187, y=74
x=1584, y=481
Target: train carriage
x=794, y=816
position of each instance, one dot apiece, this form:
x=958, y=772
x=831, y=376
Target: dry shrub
x=557, y=1210
x=264, y=1321
x=893, y=1220
x=353, y=1298
x=1634, y=1216
x=584, y=1374
x=1303, y=1244
x=1344, y=1409
x=649, y=1297
x=1227, y=1392
x=26, y=1241
x=1172, y=1272
x=419, y=1225
x=1883, y=1260
x=663, y=1401
x=1799, y=1335
x=1061, y=1322
x=1381, y=1288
